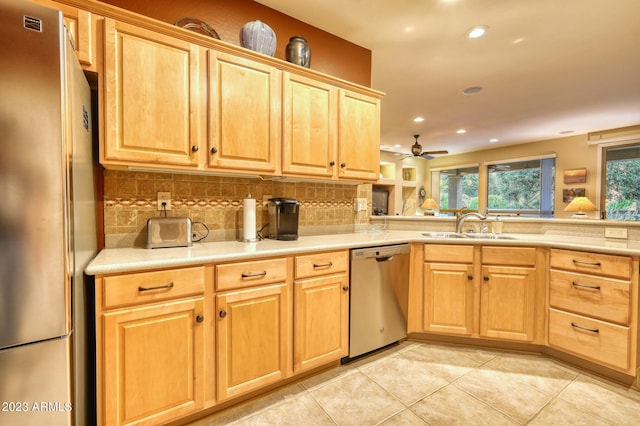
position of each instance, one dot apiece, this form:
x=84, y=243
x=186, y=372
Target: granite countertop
x=120, y=260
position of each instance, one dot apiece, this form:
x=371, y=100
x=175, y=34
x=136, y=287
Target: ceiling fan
x=416, y=151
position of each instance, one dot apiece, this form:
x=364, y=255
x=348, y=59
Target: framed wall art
x=568, y=194
x=575, y=176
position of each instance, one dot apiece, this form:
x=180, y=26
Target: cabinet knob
x=199, y=318
x=195, y=148
x=214, y=150
x=485, y=278
x=343, y=165
x=345, y=288
x=332, y=163
x=470, y=277
x=223, y=313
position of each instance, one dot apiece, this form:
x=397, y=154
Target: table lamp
x=429, y=205
x=580, y=205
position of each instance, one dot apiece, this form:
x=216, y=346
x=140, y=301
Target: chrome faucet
x=460, y=218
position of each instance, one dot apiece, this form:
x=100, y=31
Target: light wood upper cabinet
x=151, y=98
x=310, y=122
x=358, y=136
x=167, y=106
x=244, y=114
x=81, y=25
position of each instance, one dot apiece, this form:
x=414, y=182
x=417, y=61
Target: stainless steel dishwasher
x=379, y=297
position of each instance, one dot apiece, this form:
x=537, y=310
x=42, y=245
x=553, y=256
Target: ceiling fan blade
x=436, y=152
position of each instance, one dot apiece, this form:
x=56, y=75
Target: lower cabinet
x=321, y=309
x=593, y=307
x=150, y=330
x=481, y=291
x=252, y=339
x=153, y=362
x=448, y=289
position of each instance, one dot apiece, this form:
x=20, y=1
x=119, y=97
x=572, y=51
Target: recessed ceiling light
x=418, y=119
x=397, y=145
x=472, y=90
x=478, y=31
x=461, y=131
x=493, y=140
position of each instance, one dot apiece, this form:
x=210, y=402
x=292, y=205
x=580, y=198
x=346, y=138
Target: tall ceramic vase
x=298, y=51
x=259, y=37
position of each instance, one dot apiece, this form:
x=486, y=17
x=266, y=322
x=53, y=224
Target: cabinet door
x=153, y=363
x=80, y=25
x=151, y=98
x=310, y=118
x=253, y=339
x=507, y=303
x=244, y=115
x=358, y=136
x=321, y=321
x=448, y=298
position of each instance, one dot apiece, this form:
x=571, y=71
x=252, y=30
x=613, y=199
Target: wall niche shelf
x=401, y=178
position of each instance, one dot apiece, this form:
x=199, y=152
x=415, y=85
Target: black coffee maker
x=283, y=218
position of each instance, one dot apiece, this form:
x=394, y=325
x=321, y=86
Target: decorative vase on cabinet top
x=298, y=51
x=258, y=36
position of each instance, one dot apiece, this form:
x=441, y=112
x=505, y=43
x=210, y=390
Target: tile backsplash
x=130, y=198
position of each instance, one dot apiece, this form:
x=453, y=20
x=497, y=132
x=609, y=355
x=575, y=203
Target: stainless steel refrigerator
x=47, y=218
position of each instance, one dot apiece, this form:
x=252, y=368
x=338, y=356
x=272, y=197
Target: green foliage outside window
x=622, y=183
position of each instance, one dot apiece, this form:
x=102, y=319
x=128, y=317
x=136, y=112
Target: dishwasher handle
x=384, y=258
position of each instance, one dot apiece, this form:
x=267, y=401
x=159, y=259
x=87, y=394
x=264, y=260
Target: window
x=458, y=188
x=622, y=182
x=522, y=187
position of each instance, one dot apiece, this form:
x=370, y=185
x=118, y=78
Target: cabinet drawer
x=448, y=253
x=597, y=340
x=321, y=264
x=591, y=263
x=249, y=274
x=598, y=297
x=145, y=287
x=521, y=256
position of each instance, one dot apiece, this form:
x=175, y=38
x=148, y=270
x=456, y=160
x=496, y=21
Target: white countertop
x=119, y=260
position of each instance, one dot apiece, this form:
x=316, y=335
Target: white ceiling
x=545, y=66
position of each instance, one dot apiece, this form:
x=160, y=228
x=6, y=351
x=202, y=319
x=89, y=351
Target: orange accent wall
x=329, y=54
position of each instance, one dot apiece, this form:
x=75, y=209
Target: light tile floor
x=416, y=383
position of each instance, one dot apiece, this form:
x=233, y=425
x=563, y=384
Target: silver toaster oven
x=168, y=232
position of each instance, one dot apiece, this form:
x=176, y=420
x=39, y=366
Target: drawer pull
x=322, y=265
x=160, y=287
x=222, y=313
x=583, y=328
x=256, y=275
x=199, y=318
x=585, y=286
x=584, y=262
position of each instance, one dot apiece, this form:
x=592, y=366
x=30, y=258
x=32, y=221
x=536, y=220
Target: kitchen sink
x=443, y=235
x=483, y=235
x=488, y=236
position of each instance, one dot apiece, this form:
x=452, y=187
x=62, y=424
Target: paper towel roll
x=249, y=230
